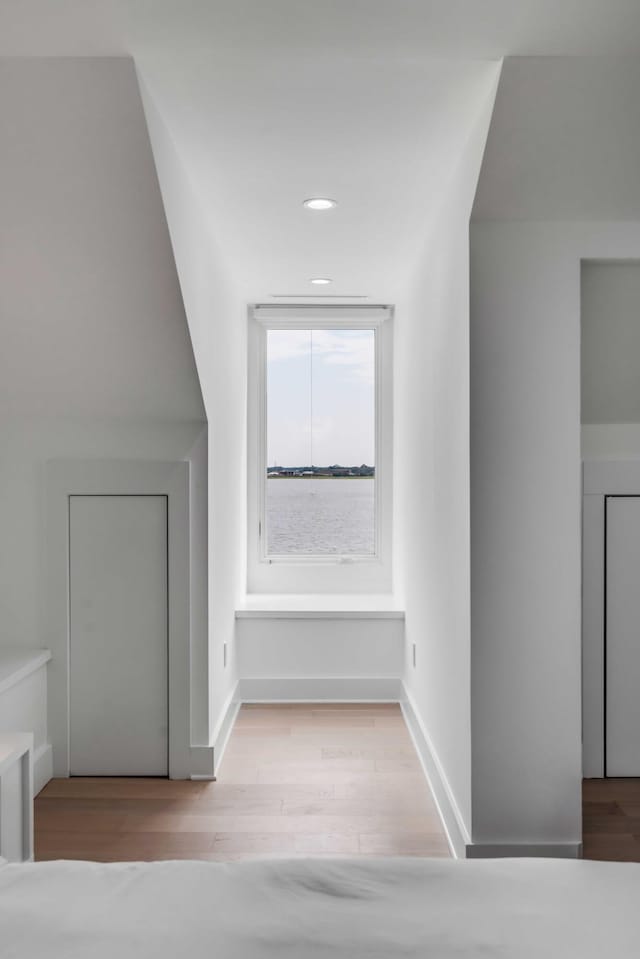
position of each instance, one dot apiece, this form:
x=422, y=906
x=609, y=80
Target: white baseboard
x=457, y=833
x=454, y=826
x=42, y=767
x=555, y=850
x=223, y=727
x=202, y=762
x=340, y=689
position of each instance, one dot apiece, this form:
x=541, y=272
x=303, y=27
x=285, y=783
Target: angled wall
x=559, y=184
x=96, y=361
x=432, y=473
x=217, y=320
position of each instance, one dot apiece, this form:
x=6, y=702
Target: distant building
x=325, y=471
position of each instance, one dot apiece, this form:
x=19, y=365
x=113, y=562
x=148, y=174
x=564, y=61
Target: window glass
x=320, y=482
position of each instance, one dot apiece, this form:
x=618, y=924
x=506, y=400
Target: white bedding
x=311, y=908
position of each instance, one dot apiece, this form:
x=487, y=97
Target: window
x=319, y=445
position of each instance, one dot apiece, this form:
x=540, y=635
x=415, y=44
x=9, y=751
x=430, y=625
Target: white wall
x=432, y=466
x=326, y=656
x=218, y=325
x=610, y=441
x=610, y=346
x=525, y=534
x=199, y=585
x=91, y=313
x=561, y=164
x=95, y=358
x=564, y=142
x=28, y=442
x=96, y=361
x=525, y=523
x=610, y=342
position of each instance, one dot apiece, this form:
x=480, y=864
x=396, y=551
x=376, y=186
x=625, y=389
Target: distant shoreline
x=321, y=476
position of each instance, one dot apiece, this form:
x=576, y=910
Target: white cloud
x=352, y=349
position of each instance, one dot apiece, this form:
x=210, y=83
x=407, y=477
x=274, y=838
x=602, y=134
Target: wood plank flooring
x=296, y=780
x=611, y=819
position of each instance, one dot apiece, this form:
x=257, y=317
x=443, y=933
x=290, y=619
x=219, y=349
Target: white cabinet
x=16, y=797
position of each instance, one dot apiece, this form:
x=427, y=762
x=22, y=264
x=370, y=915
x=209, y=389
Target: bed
x=320, y=908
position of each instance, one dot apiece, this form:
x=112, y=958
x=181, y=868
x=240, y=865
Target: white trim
x=65, y=478
x=593, y=548
x=16, y=664
x=328, y=689
x=201, y=762
x=452, y=820
x=552, y=850
x=318, y=614
x=307, y=321
x=211, y=756
x=286, y=314
x=224, y=726
x=42, y=767
x=219, y=726
x=268, y=573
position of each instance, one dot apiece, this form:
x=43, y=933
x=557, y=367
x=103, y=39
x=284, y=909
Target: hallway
x=296, y=780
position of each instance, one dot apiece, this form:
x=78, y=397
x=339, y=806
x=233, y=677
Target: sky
x=320, y=397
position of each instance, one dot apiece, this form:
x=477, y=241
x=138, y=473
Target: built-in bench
x=316, y=647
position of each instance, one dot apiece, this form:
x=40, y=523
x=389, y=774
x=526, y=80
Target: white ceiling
x=271, y=101
x=412, y=28
x=259, y=135
x=91, y=320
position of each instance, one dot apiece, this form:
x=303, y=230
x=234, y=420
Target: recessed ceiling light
x=320, y=280
x=319, y=203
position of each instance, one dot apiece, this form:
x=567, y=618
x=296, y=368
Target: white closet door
x=118, y=636
x=622, y=686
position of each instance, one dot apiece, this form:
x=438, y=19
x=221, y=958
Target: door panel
x=622, y=685
x=118, y=657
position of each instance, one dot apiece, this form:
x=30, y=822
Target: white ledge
x=16, y=663
x=320, y=606
x=319, y=614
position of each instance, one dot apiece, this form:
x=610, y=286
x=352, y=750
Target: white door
x=118, y=668
x=622, y=650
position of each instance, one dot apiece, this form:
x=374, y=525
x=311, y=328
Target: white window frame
x=318, y=573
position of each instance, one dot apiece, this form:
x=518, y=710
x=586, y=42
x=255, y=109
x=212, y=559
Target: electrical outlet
x=414, y=655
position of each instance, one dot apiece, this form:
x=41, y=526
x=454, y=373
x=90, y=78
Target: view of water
x=320, y=516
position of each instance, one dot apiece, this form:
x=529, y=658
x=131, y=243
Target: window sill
x=307, y=606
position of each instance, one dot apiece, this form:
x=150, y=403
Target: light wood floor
x=296, y=780
x=611, y=819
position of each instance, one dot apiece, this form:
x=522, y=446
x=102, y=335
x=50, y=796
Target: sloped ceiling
x=564, y=141
x=91, y=318
x=257, y=139
x=368, y=101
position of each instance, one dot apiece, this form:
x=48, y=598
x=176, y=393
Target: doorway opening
x=610, y=434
